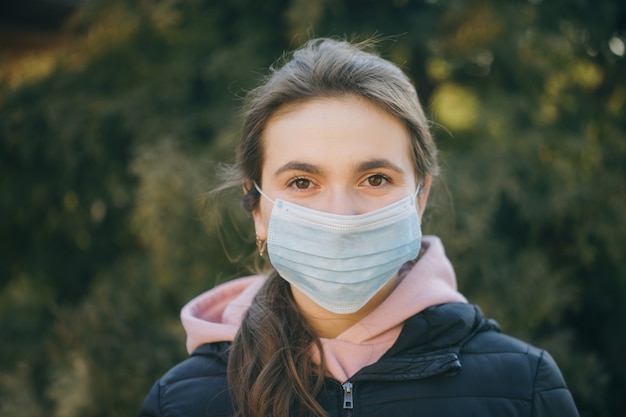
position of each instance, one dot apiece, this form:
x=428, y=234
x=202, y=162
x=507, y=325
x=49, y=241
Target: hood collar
x=215, y=316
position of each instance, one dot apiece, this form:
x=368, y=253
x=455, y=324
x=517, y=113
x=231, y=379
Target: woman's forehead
x=346, y=130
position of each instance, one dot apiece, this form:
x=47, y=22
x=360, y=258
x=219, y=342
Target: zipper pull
x=347, y=396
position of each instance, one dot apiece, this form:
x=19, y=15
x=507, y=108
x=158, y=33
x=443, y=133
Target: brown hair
x=270, y=369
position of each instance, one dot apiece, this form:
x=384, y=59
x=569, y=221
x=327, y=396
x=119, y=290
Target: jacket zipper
x=348, y=404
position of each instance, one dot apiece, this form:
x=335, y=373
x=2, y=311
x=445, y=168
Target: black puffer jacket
x=448, y=361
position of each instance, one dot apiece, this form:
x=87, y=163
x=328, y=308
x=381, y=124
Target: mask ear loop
x=261, y=192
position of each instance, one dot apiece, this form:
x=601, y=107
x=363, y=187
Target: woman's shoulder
x=208, y=360
x=492, y=340
x=196, y=386
x=508, y=355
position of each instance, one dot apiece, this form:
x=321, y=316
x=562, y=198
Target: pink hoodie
x=215, y=315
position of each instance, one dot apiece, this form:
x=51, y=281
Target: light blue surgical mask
x=341, y=261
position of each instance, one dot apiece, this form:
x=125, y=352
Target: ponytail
x=270, y=369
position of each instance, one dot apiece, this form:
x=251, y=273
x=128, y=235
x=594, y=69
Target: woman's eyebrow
x=298, y=166
x=378, y=164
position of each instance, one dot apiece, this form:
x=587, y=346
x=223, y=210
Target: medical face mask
x=341, y=261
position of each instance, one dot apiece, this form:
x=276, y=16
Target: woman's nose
x=342, y=202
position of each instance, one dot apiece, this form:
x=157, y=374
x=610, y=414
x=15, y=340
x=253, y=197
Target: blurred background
x=115, y=114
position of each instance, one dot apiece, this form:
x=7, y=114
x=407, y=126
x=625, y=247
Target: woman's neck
x=329, y=325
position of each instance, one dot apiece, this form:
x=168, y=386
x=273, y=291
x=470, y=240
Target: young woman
x=360, y=315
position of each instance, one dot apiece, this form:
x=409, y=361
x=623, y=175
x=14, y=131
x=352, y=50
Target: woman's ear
x=260, y=228
x=246, y=186
x=422, y=196
x=259, y=222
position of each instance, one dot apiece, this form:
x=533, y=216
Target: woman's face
x=336, y=155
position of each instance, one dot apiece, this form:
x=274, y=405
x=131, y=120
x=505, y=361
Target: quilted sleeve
x=551, y=397
x=151, y=405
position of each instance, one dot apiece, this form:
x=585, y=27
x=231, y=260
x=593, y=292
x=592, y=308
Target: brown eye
x=376, y=180
x=301, y=183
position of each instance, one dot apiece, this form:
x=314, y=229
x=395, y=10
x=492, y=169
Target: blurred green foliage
x=108, y=148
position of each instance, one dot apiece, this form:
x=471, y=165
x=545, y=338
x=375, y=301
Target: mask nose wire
x=261, y=192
